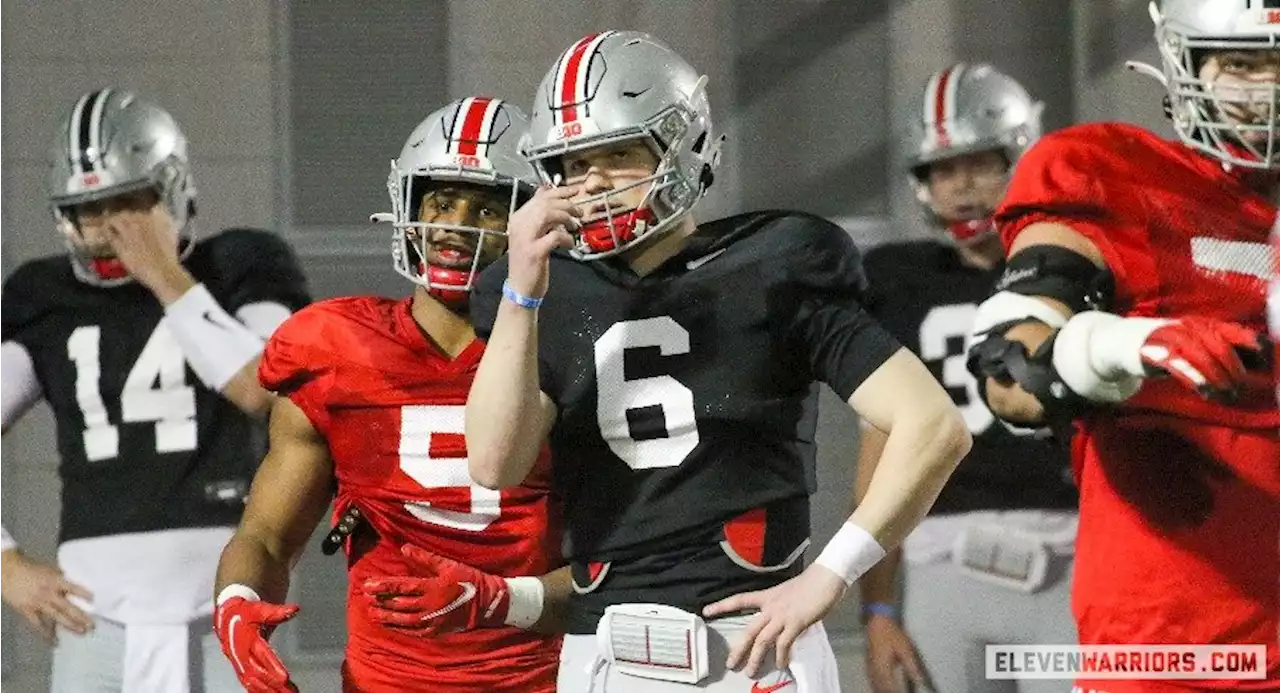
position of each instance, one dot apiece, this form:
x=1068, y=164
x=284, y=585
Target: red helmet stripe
x=571, y=76
x=940, y=107
x=569, y=79
x=473, y=123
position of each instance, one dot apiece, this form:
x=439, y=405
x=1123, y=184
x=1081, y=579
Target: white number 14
x=155, y=390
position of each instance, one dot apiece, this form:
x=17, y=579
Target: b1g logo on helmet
x=576, y=128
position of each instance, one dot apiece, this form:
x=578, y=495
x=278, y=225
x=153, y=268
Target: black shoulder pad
x=1061, y=274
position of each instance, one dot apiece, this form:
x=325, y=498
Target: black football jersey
x=144, y=445
x=922, y=293
x=687, y=404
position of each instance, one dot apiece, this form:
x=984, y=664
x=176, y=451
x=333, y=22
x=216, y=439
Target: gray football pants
x=952, y=617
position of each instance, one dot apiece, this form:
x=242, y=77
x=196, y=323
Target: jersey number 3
x=155, y=390
x=615, y=395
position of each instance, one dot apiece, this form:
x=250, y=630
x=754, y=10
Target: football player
x=674, y=367
x=1012, y=497
x=145, y=343
x=372, y=395
x=1133, y=301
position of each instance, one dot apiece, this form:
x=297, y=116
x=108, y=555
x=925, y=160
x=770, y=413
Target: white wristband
x=525, y=607
x=850, y=553
x=6, y=540
x=1098, y=355
x=215, y=344
x=236, y=589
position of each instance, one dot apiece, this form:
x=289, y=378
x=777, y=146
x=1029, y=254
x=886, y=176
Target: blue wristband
x=518, y=298
x=888, y=611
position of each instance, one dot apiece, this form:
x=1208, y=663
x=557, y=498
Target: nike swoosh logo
x=695, y=264
x=757, y=688
x=231, y=642
x=468, y=593
x=635, y=94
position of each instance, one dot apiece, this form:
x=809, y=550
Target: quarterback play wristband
x=518, y=298
x=851, y=553
x=216, y=345
x=525, y=607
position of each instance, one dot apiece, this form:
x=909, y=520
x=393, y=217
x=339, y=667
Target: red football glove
x=1212, y=357
x=440, y=595
x=243, y=626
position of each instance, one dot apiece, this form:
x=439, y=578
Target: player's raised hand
x=41, y=594
x=1212, y=357
x=537, y=228
x=439, y=595
x=146, y=242
x=243, y=626
x=785, y=611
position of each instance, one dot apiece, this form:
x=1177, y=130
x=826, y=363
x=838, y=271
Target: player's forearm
x=249, y=561
x=1009, y=401
x=244, y=391
x=880, y=584
x=505, y=400
x=924, y=446
x=557, y=588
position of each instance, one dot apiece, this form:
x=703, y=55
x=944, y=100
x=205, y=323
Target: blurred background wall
x=294, y=110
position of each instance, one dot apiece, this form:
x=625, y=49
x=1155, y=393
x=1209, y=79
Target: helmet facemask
x=171, y=181
x=1229, y=117
x=670, y=196
x=413, y=239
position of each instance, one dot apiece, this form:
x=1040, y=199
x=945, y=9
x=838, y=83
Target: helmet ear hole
x=707, y=177
x=191, y=209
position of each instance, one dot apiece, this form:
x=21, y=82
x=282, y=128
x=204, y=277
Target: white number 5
x=418, y=423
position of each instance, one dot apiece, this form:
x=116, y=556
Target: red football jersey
x=391, y=404
x=1179, y=496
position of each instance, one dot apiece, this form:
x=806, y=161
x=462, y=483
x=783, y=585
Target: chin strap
x=608, y=233
x=964, y=230
x=108, y=268
x=448, y=286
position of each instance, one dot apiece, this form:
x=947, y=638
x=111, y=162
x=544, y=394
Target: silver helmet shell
x=112, y=143
x=471, y=140
x=616, y=87
x=1184, y=31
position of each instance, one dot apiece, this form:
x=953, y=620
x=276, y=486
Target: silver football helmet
x=1231, y=119
x=113, y=143
x=472, y=140
x=966, y=109
x=620, y=86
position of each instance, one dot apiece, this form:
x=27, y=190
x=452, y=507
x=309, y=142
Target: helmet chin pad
x=611, y=231
x=447, y=285
x=964, y=230
x=108, y=268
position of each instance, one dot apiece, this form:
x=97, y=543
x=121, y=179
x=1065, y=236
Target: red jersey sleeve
x=296, y=363
x=1084, y=177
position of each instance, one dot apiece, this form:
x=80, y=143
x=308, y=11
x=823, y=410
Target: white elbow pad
x=1005, y=307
